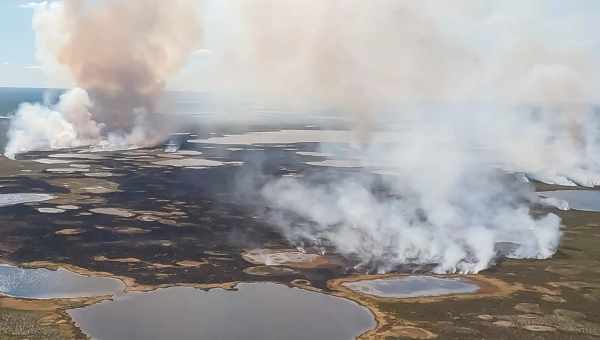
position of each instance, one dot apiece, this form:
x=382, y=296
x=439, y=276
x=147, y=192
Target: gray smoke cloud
x=446, y=101
x=466, y=92
x=119, y=54
x=359, y=57
x=123, y=51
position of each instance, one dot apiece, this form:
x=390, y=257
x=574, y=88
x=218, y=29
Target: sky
x=17, y=54
x=572, y=23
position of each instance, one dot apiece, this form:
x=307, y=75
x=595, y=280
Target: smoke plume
x=467, y=94
x=448, y=103
x=121, y=53
x=65, y=125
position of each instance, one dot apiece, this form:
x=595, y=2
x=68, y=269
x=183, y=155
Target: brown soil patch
x=191, y=264
x=81, y=190
x=306, y=285
x=553, y=299
x=129, y=230
x=69, y=232
x=121, y=260
x=409, y=332
x=160, y=266
x=269, y=271
x=532, y=308
x=118, y=212
x=290, y=258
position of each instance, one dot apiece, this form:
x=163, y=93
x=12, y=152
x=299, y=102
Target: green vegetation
x=15, y=324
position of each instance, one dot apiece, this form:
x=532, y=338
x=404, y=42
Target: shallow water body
x=253, y=311
x=50, y=284
x=412, y=286
x=586, y=200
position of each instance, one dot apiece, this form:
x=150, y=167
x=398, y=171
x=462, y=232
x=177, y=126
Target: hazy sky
x=17, y=55
x=18, y=64
x=571, y=23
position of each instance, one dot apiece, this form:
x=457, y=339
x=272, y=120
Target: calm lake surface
x=255, y=311
x=412, y=286
x=50, y=284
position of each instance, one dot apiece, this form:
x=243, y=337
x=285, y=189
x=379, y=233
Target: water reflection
x=49, y=284
x=255, y=311
x=412, y=286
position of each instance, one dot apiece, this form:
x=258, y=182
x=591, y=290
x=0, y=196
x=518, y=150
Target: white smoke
x=67, y=124
x=441, y=202
x=469, y=91
x=458, y=234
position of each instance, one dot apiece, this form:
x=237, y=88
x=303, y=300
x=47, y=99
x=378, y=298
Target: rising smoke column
x=121, y=53
x=468, y=92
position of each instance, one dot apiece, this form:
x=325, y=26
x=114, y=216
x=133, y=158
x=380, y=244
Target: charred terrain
x=342, y=169
x=193, y=217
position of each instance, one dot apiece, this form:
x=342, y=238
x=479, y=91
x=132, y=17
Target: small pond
x=50, y=284
x=412, y=286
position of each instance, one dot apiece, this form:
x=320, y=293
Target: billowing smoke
x=359, y=57
x=121, y=53
x=65, y=125
x=448, y=101
x=436, y=203
x=467, y=93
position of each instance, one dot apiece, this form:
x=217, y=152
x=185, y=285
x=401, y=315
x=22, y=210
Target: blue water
x=412, y=286
x=587, y=200
x=48, y=284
